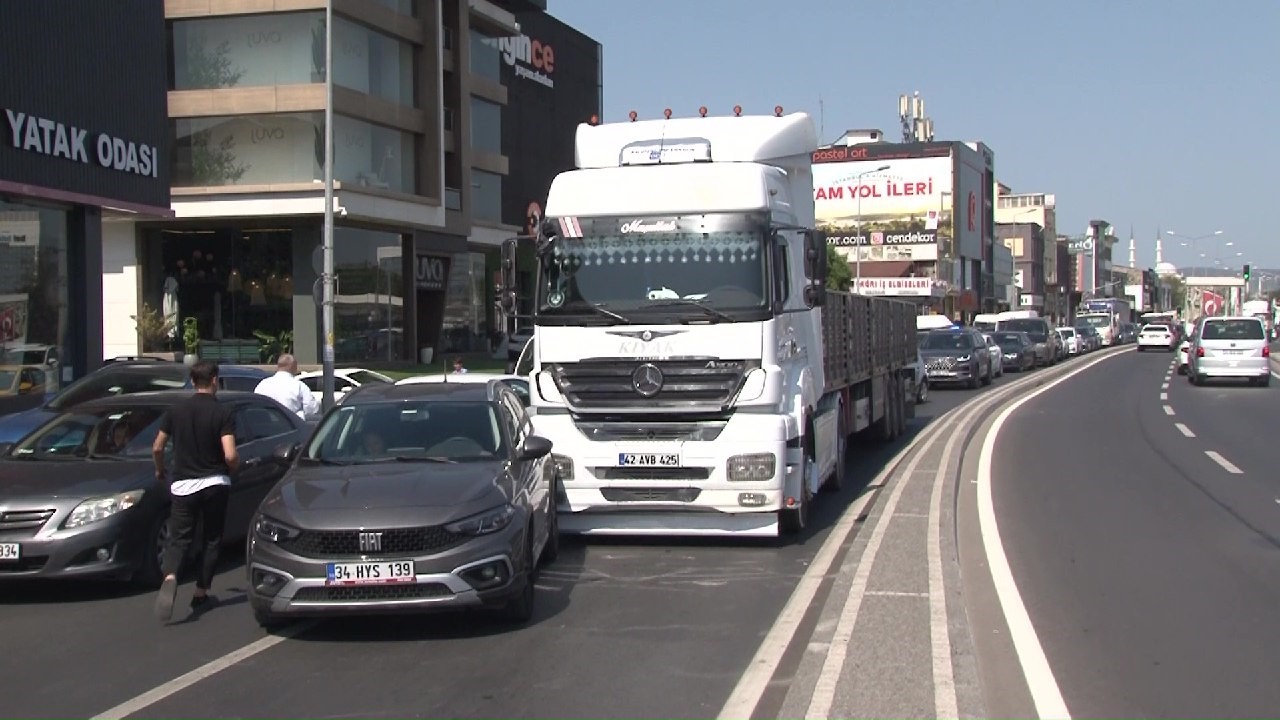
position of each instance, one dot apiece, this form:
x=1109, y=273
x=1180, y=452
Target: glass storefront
x=34, y=302
x=466, y=317
x=288, y=49
x=230, y=288
x=369, y=307
x=289, y=148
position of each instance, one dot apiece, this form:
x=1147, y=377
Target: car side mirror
x=534, y=447
x=5, y=447
x=285, y=453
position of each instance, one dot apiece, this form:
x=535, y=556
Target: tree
x=1177, y=291
x=838, y=275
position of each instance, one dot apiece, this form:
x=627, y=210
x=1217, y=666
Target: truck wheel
x=902, y=409
x=794, y=520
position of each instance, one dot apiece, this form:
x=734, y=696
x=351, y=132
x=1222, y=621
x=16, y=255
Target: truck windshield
x=1094, y=321
x=655, y=271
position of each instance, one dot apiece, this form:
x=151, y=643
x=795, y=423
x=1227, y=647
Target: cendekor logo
x=531, y=59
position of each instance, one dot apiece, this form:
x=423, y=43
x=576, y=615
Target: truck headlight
x=91, y=511
x=754, y=467
x=564, y=466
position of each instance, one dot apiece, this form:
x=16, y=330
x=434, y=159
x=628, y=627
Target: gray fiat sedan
x=409, y=498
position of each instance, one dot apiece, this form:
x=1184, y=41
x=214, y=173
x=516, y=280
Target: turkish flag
x=1211, y=303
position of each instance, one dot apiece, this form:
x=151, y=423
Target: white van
x=933, y=322
x=986, y=322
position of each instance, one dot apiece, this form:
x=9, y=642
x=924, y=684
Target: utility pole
x=326, y=317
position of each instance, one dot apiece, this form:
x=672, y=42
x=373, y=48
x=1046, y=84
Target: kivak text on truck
x=687, y=361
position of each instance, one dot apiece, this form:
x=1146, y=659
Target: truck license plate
x=648, y=459
x=374, y=573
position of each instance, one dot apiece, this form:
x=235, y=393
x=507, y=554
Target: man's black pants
x=208, y=508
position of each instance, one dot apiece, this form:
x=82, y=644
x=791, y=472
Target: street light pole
x=1193, y=240
x=857, y=221
x=326, y=317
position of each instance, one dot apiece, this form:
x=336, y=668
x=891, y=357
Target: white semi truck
x=687, y=361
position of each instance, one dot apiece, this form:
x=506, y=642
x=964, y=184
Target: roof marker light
x=667, y=113
x=702, y=111
x=633, y=115
x=777, y=110
x=595, y=119
x=737, y=111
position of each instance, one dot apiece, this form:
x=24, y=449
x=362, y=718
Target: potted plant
x=271, y=347
x=190, y=340
x=154, y=329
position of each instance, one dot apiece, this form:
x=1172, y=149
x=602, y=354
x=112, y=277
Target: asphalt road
x=1143, y=531
x=623, y=628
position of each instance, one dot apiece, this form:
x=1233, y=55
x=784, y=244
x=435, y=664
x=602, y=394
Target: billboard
x=971, y=196
x=883, y=209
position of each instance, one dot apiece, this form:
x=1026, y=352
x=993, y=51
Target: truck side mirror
x=815, y=260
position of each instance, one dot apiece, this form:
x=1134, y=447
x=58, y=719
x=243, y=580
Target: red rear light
x=1266, y=351
x=1199, y=352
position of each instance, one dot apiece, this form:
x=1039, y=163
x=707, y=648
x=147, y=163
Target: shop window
x=372, y=63
x=34, y=301
x=289, y=148
x=485, y=62
x=248, y=51
x=486, y=125
x=235, y=284
x=466, y=315
x=486, y=196
x=369, y=307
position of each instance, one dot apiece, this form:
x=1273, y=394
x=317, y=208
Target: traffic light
x=1246, y=272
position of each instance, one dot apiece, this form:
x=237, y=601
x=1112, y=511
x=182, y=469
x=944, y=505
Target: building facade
x=1026, y=242
x=1039, y=208
x=1003, y=268
x=422, y=102
x=83, y=142
x=913, y=220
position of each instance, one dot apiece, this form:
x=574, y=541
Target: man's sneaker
x=203, y=602
x=165, y=599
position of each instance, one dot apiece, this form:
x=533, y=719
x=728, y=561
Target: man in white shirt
x=288, y=390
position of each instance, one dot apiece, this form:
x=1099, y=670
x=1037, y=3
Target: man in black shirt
x=204, y=456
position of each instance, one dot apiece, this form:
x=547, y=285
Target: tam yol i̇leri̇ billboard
x=896, y=213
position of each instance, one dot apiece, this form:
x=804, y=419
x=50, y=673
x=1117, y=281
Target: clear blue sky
x=1152, y=113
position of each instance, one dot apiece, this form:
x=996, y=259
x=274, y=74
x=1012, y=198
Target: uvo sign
x=430, y=272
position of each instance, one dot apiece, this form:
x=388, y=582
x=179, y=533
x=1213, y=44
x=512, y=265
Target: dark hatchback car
x=123, y=378
x=956, y=356
x=79, y=497
x=409, y=498
x=1019, y=351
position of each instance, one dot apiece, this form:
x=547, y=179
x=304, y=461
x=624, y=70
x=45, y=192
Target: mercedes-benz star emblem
x=647, y=380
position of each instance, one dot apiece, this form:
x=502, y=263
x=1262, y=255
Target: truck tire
x=902, y=409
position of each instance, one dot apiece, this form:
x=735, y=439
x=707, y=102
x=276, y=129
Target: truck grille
x=651, y=431
x=603, y=384
x=346, y=543
x=652, y=473
x=682, y=495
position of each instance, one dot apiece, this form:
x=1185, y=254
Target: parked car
x=997, y=356
x=1070, y=340
x=956, y=356
x=1038, y=329
x=124, y=377
x=1230, y=347
x=518, y=383
x=1157, y=337
x=79, y=496
x=1019, y=353
x=1092, y=340
x=409, y=498
x=920, y=379
x=344, y=381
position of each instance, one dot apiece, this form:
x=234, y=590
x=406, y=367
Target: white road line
x=896, y=593
x=945, y=704
x=1164, y=396
x=756, y=678
x=824, y=692
x=1186, y=431
x=1168, y=410
x=1164, y=386
x=1225, y=463
x=213, y=667
x=1035, y=666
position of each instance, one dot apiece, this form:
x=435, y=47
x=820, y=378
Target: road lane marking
x=1186, y=431
x=896, y=593
x=213, y=667
x=1225, y=463
x=1168, y=410
x=1040, y=680
x=1164, y=395
x=1164, y=386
